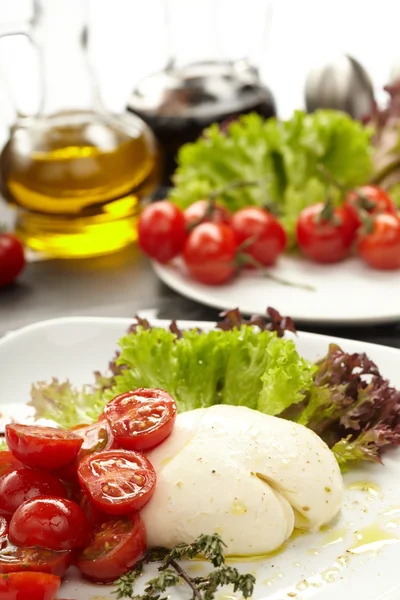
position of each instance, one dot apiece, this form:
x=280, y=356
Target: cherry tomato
x=14, y=560
x=116, y=546
x=42, y=447
x=380, y=249
x=268, y=234
x=3, y=532
x=210, y=253
x=325, y=241
x=141, y=419
x=35, y=586
x=372, y=199
x=117, y=481
x=48, y=522
x=162, y=231
x=12, y=258
x=9, y=463
x=97, y=436
x=19, y=486
x=199, y=212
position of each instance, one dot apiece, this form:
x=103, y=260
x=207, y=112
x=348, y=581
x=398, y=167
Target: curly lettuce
x=284, y=156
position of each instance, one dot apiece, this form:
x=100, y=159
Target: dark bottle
x=179, y=103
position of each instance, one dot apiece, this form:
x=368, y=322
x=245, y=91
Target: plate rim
x=177, y=286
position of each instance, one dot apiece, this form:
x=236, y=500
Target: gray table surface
x=120, y=285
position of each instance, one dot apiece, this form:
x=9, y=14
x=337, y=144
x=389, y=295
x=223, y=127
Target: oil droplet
x=313, y=552
x=296, y=564
x=297, y=533
x=373, y=489
x=303, y=585
x=254, y=557
x=372, y=539
x=334, y=537
x=392, y=511
x=292, y=594
x=343, y=561
x=393, y=524
x=269, y=582
x=166, y=460
x=329, y=575
x=196, y=568
x=238, y=508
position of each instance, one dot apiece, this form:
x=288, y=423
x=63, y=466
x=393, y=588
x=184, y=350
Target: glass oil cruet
x=75, y=172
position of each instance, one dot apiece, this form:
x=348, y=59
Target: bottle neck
x=61, y=37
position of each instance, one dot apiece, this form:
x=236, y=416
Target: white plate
x=348, y=292
x=311, y=566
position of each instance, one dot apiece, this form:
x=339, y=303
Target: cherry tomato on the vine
x=12, y=258
x=325, y=240
x=32, y=586
x=210, y=253
x=268, y=235
x=141, y=419
x=117, y=481
x=115, y=547
x=204, y=212
x=162, y=231
x=371, y=199
x=380, y=248
x=19, y=486
x=42, y=447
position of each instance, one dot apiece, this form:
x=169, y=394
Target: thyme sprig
x=171, y=573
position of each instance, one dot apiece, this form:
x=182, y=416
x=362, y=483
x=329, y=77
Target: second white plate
x=344, y=293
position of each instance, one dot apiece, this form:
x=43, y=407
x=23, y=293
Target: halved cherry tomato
x=42, y=447
x=370, y=198
x=32, y=586
x=14, y=559
x=9, y=463
x=201, y=212
x=116, y=547
x=380, y=248
x=117, y=481
x=325, y=240
x=141, y=419
x=52, y=523
x=96, y=437
x=269, y=237
x=3, y=532
x=19, y=486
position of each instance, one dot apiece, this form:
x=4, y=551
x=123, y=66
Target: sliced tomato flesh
x=141, y=419
x=14, y=559
x=117, y=481
x=40, y=447
x=35, y=586
x=3, y=532
x=116, y=547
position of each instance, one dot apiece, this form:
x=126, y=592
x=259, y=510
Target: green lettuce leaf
x=285, y=156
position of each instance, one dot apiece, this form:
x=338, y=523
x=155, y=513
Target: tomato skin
x=3, y=532
x=12, y=258
x=270, y=237
x=19, y=486
x=116, y=546
x=141, y=419
x=40, y=447
x=51, y=523
x=325, y=242
x=162, y=231
x=196, y=214
x=9, y=463
x=210, y=253
x=14, y=559
x=375, y=195
x=35, y=586
x=380, y=249
x=118, y=482
x=93, y=514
